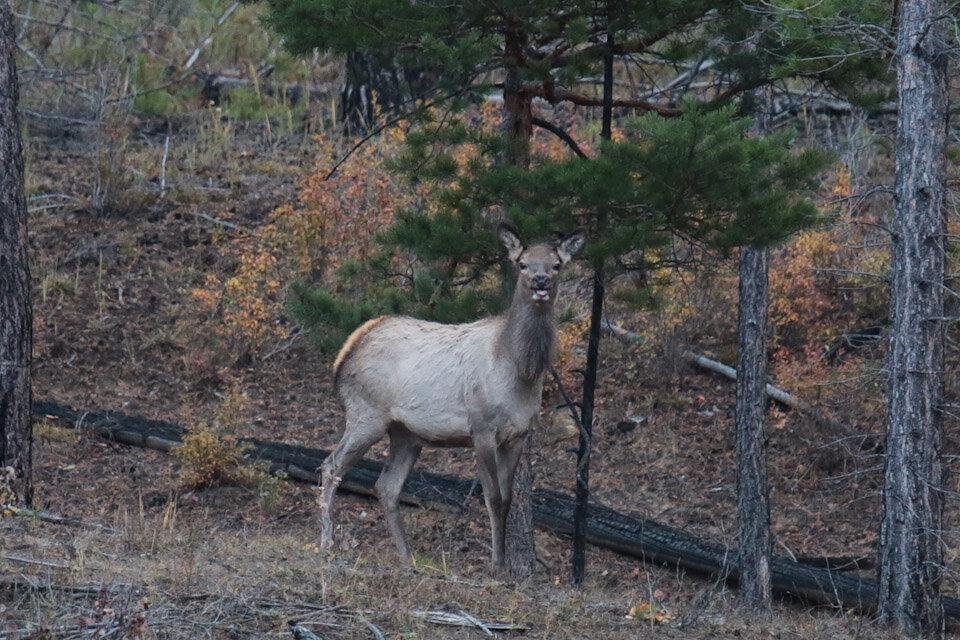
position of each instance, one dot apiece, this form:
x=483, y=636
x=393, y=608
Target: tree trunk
x=578, y=560
x=517, y=129
x=373, y=82
x=911, y=547
x=16, y=317
x=753, y=489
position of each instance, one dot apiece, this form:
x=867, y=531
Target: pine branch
x=637, y=45
x=560, y=133
x=554, y=96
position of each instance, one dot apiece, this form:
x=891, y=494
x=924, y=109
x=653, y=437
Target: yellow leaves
x=649, y=612
x=843, y=184
x=209, y=456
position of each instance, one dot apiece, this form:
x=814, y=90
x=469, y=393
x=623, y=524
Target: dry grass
x=215, y=564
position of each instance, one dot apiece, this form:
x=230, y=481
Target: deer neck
x=527, y=336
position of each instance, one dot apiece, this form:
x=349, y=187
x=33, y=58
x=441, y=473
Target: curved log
x=553, y=511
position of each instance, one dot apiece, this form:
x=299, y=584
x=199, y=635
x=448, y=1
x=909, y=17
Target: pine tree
x=16, y=319
x=687, y=170
x=911, y=544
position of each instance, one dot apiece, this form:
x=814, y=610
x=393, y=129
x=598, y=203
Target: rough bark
x=15, y=312
x=517, y=104
x=753, y=488
x=911, y=547
x=373, y=82
x=578, y=560
x=517, y=129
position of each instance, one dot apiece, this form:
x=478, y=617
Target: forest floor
x=115, y=330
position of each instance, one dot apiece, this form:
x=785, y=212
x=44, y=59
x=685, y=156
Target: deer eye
x=556, y=267
x=523, y=266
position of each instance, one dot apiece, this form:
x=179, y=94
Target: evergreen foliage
x=685, y=171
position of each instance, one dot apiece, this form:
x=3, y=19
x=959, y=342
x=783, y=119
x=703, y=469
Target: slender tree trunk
x=15, y=313
x=753, y=488
x=578, y=560
x=911, y=547
x=518, y=128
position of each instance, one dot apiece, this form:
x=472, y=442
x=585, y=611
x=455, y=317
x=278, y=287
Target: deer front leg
x=508, y=455
x=487, y=470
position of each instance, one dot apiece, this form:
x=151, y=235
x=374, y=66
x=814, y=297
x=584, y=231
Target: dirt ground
x=114, y=330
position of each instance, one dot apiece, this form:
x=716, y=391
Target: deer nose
x=541, y=282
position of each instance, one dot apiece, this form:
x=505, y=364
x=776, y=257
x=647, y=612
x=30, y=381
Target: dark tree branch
x=560, y=133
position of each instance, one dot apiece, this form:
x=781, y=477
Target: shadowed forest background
x=179, y=180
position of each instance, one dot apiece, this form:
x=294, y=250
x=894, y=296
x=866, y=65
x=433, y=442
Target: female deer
x=466, y=385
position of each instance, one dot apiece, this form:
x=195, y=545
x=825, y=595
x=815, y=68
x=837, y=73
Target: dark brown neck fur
x=528, y=335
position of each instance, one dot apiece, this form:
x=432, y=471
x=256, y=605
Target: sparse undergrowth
x=215, y=564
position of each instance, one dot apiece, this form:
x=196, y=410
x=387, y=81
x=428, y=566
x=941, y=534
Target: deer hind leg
x=404, y=451
x=487, y=470
x=364, y=428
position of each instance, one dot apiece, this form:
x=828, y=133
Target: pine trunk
x=753, y=488
x=581, y=510
x=911, y=548
x=16, y=317
x=518, y=128
x=372, y=83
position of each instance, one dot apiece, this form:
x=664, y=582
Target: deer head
x=539, y=265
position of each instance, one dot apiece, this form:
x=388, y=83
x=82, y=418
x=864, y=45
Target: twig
x=206, y=42
x=52, y=518
x=22, y=582
x=163, y=166
x=463, y=619
x=571, y=406
x=283, y=346
x=16, y=557
x=386, y=125
x=222, y=223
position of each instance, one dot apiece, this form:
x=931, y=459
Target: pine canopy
x=687, y=170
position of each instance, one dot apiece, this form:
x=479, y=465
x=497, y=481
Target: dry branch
x=52, y=518
x=16, y=557
x=785, y=398
x=629, y=535
x=464, y=619
x=300, y=632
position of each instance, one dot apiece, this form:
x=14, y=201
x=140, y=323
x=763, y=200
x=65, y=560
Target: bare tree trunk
x=580, y=513
x=373, y=80
x=15, y=313
x=518, y=128
x=911, y=547
x=753, y=489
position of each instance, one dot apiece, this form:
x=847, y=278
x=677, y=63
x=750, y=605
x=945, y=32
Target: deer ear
x=510, y=240
x=570, y=246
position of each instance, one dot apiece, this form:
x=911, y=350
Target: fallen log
x=867, y=442
x=629, y=535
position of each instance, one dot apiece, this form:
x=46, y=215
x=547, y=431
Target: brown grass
x=215, y=564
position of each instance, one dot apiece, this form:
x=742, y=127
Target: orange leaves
x=332, y=221
x=798, y=297
x=843, y=187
